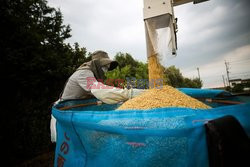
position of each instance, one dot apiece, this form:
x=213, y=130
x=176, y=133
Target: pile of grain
x=167, y=96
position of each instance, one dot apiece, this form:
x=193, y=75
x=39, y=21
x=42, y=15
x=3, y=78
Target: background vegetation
x=35, y=63
x=129, y=68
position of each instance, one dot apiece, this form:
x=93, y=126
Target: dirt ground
x=43, y=160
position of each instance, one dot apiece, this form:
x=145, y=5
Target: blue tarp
x=205, y=93
x=101, y=136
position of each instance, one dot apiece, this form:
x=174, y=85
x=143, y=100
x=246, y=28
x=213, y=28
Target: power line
x=245, y=75
x=240, y=73
x=248, y=59
x=242, y=62
x=240, y=76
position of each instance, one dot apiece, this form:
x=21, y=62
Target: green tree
x=128, y=68
x=125, y=59
x=197, y=83
x=131, y=68
x=175, y=78
x=238, y=88
x=192, y=83
x=141, y=71
x=35, y=63
x=120, y=73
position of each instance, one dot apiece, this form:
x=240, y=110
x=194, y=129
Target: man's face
x=105, y=68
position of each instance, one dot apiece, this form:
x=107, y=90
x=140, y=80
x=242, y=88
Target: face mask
x=104, y=69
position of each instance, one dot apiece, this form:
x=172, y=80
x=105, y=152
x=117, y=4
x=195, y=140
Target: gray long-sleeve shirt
x=82, y=84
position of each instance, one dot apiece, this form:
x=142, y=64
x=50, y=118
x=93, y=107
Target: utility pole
x=227, y=70
x=199, y=73
x=224, y=81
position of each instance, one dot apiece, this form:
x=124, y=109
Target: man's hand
x=137, y=92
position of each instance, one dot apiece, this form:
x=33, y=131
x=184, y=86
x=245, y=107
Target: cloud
x=109, y=25
x=208, y=32
x=238, y=62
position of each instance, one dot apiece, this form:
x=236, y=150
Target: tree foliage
x=175, y=78
x=130, y=68
x=35, y=63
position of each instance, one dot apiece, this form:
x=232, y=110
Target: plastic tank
x=98, y=135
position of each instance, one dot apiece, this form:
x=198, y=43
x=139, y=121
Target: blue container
x=98, y=135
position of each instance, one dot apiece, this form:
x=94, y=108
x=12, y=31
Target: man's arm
x=105, y=93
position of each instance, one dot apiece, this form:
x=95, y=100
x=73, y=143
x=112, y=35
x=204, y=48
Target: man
x=82, y=84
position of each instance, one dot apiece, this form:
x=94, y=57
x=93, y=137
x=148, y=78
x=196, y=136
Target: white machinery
x=161, y=26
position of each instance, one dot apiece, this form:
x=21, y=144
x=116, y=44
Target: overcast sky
x=209, y=33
